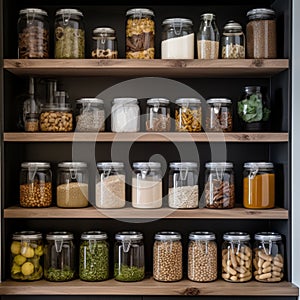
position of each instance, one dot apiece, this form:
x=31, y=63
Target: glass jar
x=125, y=113
x=208, y=37
x=158, y=115
x=167, y=256
x=233, y=41
x=177, y=39
x=32, y=122
x=26, y=256
x=90, y=115
x=140, y=33
x=218, y=115
x=69, y=34
x=183, y=185
x=129, y=256
x=268, y=260
x=33, y=32
x=188, y=115
x=94, y=256
x=259, y=185
x=72, y=185
x=105, y=44
x=35, y=184
x=147, y=185
x=236, y=257
x=110, y=187
x=219, y=185
x=202, y=257
x=59, y=259
x=261, y=33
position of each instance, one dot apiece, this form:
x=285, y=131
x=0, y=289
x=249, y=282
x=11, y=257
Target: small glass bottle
x=32, y=122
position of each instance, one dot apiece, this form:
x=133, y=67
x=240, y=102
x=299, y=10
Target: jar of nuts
x=236, y=257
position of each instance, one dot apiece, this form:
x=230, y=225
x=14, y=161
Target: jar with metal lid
x=110, y=186
x=32, y=122
x=268, y=257
x=105, y=44
x=236, y=257
x=177, y=40
x=94, y=256
x=35, y=184
x=146, y=186
x=26, y=256
x=218, y=115
x=202, y=256
x=69, y=34
x=261, y=33
x=188, y=115
x=183, y=185
x=167, y=256
x=233, y=41
x=259, y=185
x=72, y=185
x=208, y=37
x=129, y=256
x=125, y=115
x=90, y=115
x=59, y=258
x=219, y=185
x=33, y=33
x=140, y=33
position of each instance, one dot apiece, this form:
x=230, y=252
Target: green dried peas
x=53, y=274
x=126, y=273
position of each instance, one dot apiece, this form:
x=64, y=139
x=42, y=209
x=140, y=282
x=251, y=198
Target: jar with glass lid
x=129, y=256
x=183, y=185
x=26, y=256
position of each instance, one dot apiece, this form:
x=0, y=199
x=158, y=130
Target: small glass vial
x=177, y=39
x=32, y=122
x=236, y=257
x=26, y=256
x=158, y=115
x=110, y=187
x=202, y=257
x=268, y=260
x=218, y=115
x=146, y=185
x=129, y=256
x=94, y=256
x=259, y=185
x=72, y=185
x=167, y=256
x=105, y=44
x=183, y=185
x=188, y=115
x=219, y=185
x=140, y=33
x=59, y=259
x=35, y=184
x=208, y=37
x=233, y=41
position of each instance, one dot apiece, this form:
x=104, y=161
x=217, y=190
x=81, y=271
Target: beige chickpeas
x=36, y=194
x=56, y=121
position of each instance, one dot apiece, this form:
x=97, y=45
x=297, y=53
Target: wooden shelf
x=154, y=67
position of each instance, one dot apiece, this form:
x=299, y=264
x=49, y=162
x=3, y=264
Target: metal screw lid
x=219, y=100
x=94, y=235
x=179, y=21
x=29, y=235
x=32, y=11
x=258, y=165
x=236, y=236
x=72, y=165
x=128, y=235
x=268, y=236
x=38, y=165
x=232, y=25
x=219, y=165
x=140, y=11
x=59, y=235
x=109, y=165
x=69, y=11
x=202, y=236
x=168, y=236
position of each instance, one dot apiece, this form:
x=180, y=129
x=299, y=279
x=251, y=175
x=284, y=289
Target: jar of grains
x=208, y=37
x=219, y=185
x=268, y=260
x=26, y=256
x=94, y=256
x=110, y=187
x=33, y=32
x=236, y=257
x=183, y=185
x=140, y=33
x=177, y=39
x=32, y=122
x=72, y=185
x=261, y=33
x=202, y=257
x=129, y=257
x=167, y=256
x=35, y=184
